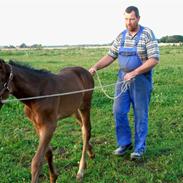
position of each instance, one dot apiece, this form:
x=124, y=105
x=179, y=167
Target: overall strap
x=123, y=37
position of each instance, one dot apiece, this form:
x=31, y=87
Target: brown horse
x=22, y=81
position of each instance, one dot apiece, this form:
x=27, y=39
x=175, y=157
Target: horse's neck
x=25, y=84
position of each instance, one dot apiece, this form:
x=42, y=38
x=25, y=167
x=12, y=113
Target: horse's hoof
x=79, y=177
x=54, y=178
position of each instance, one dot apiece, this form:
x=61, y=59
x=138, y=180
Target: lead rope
x=124, y=86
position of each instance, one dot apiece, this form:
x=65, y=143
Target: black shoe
x=121, y=150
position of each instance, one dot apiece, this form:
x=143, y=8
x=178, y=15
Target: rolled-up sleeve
x=152, y=47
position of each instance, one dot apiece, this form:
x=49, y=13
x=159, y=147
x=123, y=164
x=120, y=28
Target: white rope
x=123, y=89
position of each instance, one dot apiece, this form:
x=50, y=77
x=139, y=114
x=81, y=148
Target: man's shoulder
x=148, y=33
x=147, y=30
x=119, y=36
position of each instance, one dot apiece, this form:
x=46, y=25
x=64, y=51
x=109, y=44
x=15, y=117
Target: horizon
x=83, y=44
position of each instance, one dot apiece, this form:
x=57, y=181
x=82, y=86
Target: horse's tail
x=85, y=76
x=88, y=83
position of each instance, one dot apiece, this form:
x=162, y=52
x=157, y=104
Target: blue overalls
x=137, y=94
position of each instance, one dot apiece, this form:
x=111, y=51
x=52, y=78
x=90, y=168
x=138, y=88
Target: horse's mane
x=29, y=69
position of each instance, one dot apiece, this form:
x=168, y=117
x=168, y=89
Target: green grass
x=163, y=161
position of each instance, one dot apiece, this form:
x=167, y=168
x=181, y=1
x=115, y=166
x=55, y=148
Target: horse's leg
x=77, y=115
x=52, y=171
x=86, y=134
x=87, y=124
x=45, y=134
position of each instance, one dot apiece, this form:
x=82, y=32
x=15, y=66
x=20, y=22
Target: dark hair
x=133, y=8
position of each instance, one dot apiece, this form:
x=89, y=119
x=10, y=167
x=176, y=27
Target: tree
x=172, y=39
x=23, y=45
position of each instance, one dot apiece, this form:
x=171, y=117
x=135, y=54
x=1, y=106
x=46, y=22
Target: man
x=137, y=51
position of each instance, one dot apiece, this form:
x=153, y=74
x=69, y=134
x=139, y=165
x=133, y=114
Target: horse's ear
x=1, y=63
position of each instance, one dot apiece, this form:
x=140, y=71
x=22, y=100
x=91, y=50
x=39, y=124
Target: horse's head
x=5, y=79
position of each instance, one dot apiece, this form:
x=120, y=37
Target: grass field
x=163, y=161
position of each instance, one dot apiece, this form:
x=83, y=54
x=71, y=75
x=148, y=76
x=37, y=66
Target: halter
x=6, y=85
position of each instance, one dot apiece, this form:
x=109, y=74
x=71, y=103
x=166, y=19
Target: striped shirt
x=147, y=46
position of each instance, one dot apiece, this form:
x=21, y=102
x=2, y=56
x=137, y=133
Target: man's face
x=131, y=21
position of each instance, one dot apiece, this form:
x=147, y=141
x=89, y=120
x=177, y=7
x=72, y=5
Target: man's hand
x=92, y=70
x=130, y=75
x=148, y=65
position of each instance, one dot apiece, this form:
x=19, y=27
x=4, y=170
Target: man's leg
x=140, y=92
x=121, y=108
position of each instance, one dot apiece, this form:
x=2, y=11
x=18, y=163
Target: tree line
x=171, y=39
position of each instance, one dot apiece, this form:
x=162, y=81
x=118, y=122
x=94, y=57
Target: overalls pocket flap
x=127, y=51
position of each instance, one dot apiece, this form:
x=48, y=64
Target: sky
x=61, y=22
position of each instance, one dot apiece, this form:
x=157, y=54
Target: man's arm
x=103, y=62
x=148, y=65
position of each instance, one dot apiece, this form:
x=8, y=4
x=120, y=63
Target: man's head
x=132, y=18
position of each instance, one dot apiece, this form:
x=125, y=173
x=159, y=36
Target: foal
x=22, y=81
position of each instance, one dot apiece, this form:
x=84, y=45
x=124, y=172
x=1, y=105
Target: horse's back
x=80, y=73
